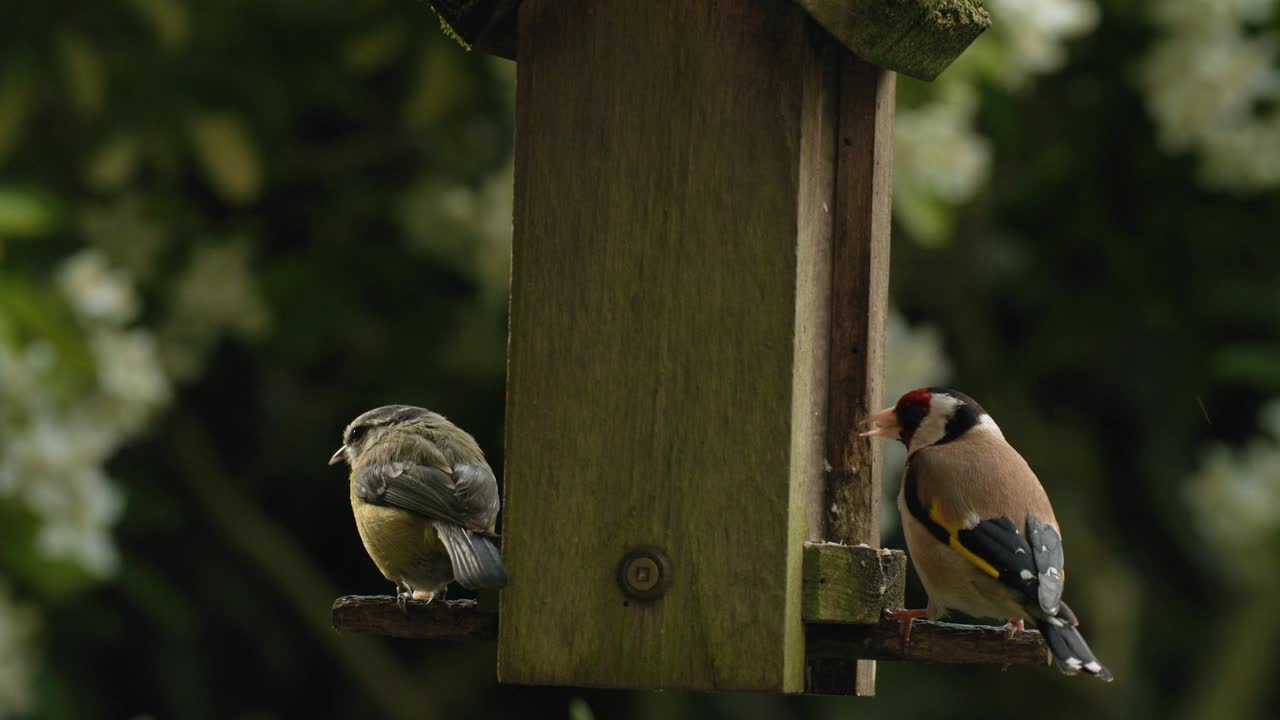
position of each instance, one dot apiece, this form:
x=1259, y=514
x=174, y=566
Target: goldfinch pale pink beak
x=339, y=456
x=886, y=424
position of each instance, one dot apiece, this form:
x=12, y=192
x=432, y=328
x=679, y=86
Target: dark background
x=312, y=201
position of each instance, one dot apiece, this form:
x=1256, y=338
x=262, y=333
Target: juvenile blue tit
x=979, y=527
x=425, y=501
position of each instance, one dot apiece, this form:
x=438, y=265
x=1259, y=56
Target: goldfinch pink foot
x=904, y=618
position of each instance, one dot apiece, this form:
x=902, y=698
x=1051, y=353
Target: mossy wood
x=666, y=378
x=919, y=38
x=844, y=584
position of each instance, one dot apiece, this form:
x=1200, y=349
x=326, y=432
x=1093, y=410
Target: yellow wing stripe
x=953, y=530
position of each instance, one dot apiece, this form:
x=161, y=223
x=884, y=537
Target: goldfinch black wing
x=998, y=547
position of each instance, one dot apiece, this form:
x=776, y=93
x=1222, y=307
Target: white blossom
x=1033, y=34
x=217, y=294
x=940, y=159
x=97, y=292
x=1235, y=501
x=54, y=444
x=1208, y=80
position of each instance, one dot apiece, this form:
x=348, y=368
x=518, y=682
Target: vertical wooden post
x=850, y=499
x=669, y=287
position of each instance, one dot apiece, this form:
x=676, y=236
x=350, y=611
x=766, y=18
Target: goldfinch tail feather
x=1070, y=652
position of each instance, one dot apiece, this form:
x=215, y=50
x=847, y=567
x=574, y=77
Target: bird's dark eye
x=357, y=432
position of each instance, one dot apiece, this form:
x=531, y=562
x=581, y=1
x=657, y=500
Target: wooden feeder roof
x=919, y=38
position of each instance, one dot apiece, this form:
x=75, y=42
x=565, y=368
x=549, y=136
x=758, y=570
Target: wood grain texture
x=653, y=386
x=919, y=38
x=859, y=300
x=381, y=615
x=851, y=584
x=930, y=642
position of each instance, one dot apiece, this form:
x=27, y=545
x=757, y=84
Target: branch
x=930, y=642
x=381, y=615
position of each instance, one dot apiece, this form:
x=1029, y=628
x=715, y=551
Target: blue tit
x=425, y=501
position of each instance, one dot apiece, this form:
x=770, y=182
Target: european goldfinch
x=424, y=499
x=979, y=527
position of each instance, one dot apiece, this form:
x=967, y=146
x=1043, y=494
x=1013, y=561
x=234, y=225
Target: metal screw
x=645, y=573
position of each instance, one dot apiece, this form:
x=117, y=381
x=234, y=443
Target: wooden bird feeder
x=698, y=288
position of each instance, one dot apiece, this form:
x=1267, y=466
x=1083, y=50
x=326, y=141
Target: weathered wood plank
x=919, y=38
x=851, y=584
x=381, y=615
x=653, y=378
x=930, y=642
x=850, y=498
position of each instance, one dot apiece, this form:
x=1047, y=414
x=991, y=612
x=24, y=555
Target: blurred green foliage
x=312, y=201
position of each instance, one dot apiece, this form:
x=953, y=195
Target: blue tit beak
x=339, y=456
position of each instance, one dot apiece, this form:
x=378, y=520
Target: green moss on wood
x=487, y=25
x=851, y=583
x=919, y=38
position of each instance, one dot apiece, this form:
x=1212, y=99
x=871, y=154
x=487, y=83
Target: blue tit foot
x=424, y=595
x=402, y=597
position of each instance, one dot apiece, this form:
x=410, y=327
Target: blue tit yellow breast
x=404, y=546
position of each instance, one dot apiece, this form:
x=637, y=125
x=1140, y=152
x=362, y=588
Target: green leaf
x=15, y=104
x=25, y=213
x=85, y=73
x=227, y=156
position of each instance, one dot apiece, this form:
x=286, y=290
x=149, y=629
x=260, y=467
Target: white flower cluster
x=477, y=228
x=1212, y=84
x=940, y=160
x=18, y=626
x=1032, y=34
x=216, y=295
x=54, y=443
x=1235, y=500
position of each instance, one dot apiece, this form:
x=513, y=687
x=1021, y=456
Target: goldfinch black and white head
x=931, y=416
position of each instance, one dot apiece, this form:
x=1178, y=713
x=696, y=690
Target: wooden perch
x=381, y=615
x=825, y=641
x=930, y=642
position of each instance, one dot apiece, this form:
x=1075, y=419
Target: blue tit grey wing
x=426, y=490
x=477, y=492
x=477, y=563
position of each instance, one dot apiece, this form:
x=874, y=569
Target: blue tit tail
x=476, y=561
x=1070, y=652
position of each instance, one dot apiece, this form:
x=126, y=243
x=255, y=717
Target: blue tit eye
x=357, y=432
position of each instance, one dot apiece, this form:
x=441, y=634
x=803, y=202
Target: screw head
x=645, y=573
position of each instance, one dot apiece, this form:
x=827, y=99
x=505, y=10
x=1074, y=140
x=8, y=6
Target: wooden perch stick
x=930, y=642
x=381, y=615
